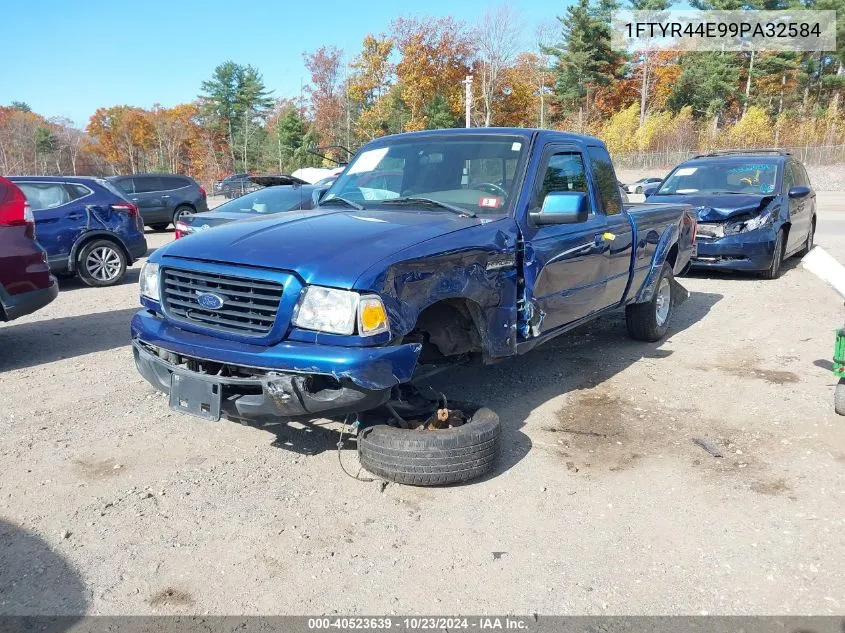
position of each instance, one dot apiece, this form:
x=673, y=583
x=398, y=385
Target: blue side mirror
x=562, y=207
x=799, y=191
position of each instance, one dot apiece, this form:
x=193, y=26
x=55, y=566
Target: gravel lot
x=602, y=503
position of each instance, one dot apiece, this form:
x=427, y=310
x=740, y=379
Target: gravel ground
x=602, y=503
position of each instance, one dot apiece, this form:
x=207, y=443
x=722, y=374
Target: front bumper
x=751, y=251
x=289, y=379
x=15, y=306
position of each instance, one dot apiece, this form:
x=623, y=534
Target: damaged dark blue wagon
x=476, y=245
x=754, y=208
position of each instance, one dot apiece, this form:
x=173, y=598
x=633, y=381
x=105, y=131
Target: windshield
x=754, y=176
x=269, y=200
x=475, y=173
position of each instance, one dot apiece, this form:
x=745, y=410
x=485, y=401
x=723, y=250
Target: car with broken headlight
x=477, y=246
x=755, y=208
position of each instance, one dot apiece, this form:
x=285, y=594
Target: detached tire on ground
x=650, y=321
x=432, y=458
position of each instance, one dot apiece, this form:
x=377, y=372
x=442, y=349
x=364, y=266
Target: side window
x=44, y=195
x=606, y=182
x=76, y=191
x=801, y=177
x=146, y=184
x=788, y=177
x=564, y=171
x=172, y=182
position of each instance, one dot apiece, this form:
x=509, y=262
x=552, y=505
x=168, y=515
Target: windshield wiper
x=348, y=203
x=430, y=201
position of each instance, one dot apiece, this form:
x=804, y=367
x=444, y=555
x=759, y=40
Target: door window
x=788, y=178
x=147, y=184
x=564, y=171
x=76, y=191
x=44, y=195
x=606, y=182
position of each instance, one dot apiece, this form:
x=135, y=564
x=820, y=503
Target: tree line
x=411, y=78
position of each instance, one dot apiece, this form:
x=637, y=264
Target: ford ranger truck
x=476, y=244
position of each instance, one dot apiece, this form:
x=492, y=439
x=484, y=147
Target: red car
x=25, y=280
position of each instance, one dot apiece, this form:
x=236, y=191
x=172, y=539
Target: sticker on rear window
x=490, y=203
x=686, y=171
x=516, y=147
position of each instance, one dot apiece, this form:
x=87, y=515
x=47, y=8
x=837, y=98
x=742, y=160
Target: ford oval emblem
x=210, y=301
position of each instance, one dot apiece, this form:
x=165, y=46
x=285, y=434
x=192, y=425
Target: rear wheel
x=161, y=226
x=101, y=263
x=181, y=211
x=650, y=321
x=773, y=271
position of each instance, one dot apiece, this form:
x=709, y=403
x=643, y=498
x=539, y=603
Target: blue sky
x=69, y=58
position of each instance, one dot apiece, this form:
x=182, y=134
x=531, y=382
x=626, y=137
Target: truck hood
x=718, y=208
x=331, y=248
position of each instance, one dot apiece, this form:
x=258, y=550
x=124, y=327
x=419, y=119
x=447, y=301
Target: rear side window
x=124, y=184
x=44, y=195
x=173, y=182
x=77, y=191
x=606, y=182
x=146, y=184
x=564, y=172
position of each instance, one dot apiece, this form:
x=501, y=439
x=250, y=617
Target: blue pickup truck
x=480, y=245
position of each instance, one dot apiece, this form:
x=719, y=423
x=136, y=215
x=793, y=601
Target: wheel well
x=672, y=256
x=184, y=204
x=93, y=238
x=446, y=329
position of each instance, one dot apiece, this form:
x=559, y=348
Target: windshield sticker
x=766, y=188
x=368, y=161
x=747, y=168
x=686, y=171
x=516, y=147
x=687, y=191
x=490, y=203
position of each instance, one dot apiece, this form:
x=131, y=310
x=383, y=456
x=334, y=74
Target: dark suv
x=755, y=208
x=25, y=280
x=162, y=198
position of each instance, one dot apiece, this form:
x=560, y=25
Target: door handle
x=165, y=197
x=134, y=199
x=74, y=216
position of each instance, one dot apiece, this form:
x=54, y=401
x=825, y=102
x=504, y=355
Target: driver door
x=564, y=266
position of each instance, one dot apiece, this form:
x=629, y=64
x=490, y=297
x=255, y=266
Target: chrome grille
x=249, y=305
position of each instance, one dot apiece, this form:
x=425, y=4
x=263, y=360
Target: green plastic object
x=839, y=354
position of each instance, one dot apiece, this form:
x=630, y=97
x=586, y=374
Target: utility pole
x=468, y=83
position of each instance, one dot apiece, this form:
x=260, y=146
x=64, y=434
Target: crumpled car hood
x=718, y=208
x=331, y=248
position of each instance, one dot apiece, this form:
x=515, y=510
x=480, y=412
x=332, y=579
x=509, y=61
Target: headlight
x=149, y=282
x=338, y=312
x=758, y=221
